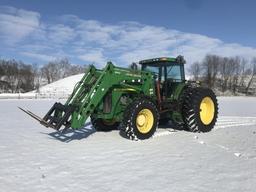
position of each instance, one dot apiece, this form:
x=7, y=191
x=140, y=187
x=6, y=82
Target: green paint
x=118, y=81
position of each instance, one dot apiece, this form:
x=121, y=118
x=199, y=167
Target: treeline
x=226, y=74
x=16, y=76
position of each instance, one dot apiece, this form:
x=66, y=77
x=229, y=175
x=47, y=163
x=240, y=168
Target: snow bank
x=59, y=89
x=64, y=86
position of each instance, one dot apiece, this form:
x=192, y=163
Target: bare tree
x=225, y=73
x=45, y=71
x=16, y=76
x=25, y=78
x=12, y=74
x=64, y=67
x=253, y=74
x=59, y=69
x=195, y=70
x=236, y=73
x=76, y=69
x=243, y=71
x=211, y=66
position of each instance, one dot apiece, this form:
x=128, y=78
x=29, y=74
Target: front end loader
x=135, y=101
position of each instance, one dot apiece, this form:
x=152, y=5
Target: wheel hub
x=141, y=120
x=144, y=120
x=207, y=110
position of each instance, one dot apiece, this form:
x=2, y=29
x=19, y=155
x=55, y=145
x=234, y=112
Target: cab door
x=174, y=75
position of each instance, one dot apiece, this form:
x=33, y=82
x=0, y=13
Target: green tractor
x=136, y=100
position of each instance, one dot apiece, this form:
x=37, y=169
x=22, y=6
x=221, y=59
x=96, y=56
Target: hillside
x=62, y=87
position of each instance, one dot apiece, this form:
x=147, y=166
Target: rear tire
x=140, y=120
x=200, y=109
x=103, y=125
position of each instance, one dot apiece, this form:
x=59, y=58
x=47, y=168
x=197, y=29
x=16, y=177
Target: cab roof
x=163, y=61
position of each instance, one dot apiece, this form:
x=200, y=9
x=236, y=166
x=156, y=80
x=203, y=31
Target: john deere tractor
x=136, y=100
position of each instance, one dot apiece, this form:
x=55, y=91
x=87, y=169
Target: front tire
x=140, y=119
x=200, y=109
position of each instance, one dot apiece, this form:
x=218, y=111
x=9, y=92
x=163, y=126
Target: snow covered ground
x=34, y=158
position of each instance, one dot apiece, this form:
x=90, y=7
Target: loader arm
x=100, y=82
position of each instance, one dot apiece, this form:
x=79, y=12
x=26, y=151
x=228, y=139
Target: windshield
x=174, y=72
x=151, y=69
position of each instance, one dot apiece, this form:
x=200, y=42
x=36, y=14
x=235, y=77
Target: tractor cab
x=169, y=72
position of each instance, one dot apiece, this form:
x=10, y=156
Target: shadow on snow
x=72, y=134
x=88, y=129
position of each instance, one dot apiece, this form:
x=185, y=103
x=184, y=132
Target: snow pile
x=58, y=89
x=61, y=88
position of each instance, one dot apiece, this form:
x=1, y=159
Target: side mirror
x=134, y=66
x=180, y=59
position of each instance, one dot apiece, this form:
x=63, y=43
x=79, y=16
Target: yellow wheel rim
x=207, y=110
x=144, y=121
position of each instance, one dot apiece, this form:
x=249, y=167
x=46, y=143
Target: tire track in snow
x=163, y=133
x=234, y=121
x=223, y=122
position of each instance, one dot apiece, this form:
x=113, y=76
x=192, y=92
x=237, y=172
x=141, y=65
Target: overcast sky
x=125, y=31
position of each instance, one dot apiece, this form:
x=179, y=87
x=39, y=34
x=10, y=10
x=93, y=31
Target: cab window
x=174, y=72
x=151, y=69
